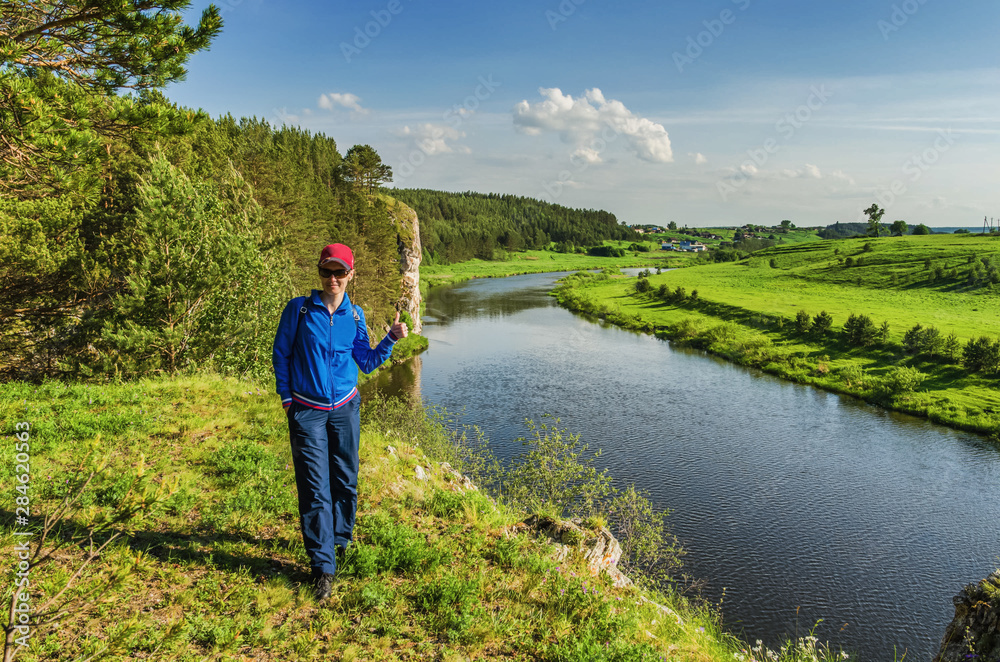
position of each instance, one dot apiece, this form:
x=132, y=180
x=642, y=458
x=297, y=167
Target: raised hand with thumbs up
x=398, y=329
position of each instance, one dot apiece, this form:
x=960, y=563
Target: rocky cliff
x=408, y=240
x=974, y=633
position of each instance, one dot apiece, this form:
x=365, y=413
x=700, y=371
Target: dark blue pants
x=325, y=457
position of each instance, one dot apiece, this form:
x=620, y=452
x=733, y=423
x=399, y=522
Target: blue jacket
x=316, y=355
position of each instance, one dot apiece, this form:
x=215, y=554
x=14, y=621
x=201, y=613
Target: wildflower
x=701, y=629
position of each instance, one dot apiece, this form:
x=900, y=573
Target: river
x=794, y=504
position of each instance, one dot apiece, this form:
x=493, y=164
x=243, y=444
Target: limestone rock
x=461, y=483
x=421, y=474
x=408, y=242
x=601, y=549
x=974, y=633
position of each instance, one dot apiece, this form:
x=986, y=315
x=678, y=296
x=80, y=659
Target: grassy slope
x=214, y=572
x=892, y=284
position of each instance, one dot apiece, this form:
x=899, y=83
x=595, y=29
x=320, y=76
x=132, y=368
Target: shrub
x=556, y=473
x=899, y=381
x=803, y=322
x=606, y=251
x=883, y=332
x=860, y=330
x=982, y=355
x=642, y=285
x=950, y=347
x=822, y=323
x=919, y=340
x=852, y=374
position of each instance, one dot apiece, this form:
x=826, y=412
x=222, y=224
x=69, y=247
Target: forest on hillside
x=461, y=226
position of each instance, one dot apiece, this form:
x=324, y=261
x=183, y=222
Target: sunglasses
x=327, y=273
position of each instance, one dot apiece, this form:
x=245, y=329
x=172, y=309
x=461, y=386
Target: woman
x=320, y=343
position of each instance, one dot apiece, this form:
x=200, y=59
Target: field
x=900, y=281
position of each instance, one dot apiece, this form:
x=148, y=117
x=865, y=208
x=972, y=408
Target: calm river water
x=784, y=496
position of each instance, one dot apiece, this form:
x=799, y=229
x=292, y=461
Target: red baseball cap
x=337, y=253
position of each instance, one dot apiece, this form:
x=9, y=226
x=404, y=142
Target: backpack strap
x=298, y=320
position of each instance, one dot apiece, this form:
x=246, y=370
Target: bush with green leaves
x=982, y=355
x=803, y=322
x=921, y=340
x=556, y=474
x=852, y=374
x=899, y=381
x=822, y=323
x=860, y=330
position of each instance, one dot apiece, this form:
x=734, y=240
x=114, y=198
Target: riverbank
x=198, y=475
x=748, y=313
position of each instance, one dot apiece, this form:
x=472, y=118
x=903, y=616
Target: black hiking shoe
x=323, y=586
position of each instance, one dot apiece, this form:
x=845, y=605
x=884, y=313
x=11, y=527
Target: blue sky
x=702, y=112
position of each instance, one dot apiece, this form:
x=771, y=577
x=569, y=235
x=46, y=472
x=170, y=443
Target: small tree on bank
x=874, y=214
x=803, y=322
x=822, y=323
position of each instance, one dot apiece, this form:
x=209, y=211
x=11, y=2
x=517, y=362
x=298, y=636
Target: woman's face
x=335, y=278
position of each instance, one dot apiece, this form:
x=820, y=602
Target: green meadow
x=174, y=536
x=747, y=311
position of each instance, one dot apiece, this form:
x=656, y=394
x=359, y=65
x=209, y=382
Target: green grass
x=214, y=570
x=893, y=284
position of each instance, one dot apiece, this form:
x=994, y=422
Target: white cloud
x=699, y=158
x=591, y=122
x=346, y=100
x=433, y=138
